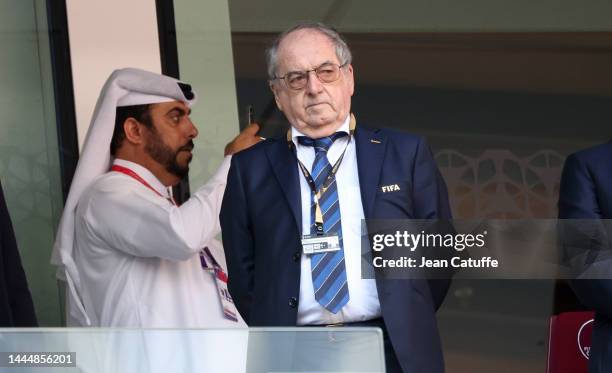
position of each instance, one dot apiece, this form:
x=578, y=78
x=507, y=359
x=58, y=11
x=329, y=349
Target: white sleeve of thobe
x=202, y=209
x=146, y=225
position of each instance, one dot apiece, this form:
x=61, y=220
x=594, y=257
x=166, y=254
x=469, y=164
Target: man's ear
x=133, y=131
x=274, y=88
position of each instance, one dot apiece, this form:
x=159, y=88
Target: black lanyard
x=317, y=194
x=332, y=174
x=325, y=185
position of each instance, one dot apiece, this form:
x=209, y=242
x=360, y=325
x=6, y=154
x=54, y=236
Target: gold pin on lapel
x=375, y=141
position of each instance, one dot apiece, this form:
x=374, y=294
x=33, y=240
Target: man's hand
x=245, y=139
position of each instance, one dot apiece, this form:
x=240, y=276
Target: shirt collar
x=345, y=127
x=146, y=175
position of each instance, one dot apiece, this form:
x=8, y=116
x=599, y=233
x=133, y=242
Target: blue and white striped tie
x=328, y=269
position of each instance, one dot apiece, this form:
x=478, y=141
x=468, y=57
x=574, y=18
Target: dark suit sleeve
x=577, y=195
x=16, y=307
x=237, y=241
x=430, y=195
x=578, y=200
x=431, y=202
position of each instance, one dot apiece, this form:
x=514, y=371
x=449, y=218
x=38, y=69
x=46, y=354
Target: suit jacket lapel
x=370, y=145
x=283, y=163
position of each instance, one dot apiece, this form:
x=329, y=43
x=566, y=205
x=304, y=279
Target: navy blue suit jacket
x=16, y=307
x=586, y=193
x=261, y=224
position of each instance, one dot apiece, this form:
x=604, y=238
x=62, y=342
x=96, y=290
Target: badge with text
x=314, y=244
x=229, y=310
x=220, y=277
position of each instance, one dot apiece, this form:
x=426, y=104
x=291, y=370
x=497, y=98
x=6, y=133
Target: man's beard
x=166, y=156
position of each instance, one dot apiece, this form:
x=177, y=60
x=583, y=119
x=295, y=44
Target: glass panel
x=214, y=350
x=29, y=158
x=205, y=61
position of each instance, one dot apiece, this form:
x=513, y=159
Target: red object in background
x=569, y=342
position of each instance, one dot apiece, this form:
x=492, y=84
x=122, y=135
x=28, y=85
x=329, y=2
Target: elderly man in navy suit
x=323, y=178
x=586, y=193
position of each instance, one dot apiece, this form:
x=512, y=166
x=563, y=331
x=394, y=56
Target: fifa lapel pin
x=390, y=188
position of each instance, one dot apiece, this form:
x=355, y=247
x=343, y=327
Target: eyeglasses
x=326, y=73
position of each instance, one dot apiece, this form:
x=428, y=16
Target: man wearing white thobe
x=130, y=256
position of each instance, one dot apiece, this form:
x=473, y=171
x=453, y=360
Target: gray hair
x=342, y=50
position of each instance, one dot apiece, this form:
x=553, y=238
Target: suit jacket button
x=293, y=302
x=296, y=257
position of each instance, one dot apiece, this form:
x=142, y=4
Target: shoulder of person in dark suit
x=586, y=175
x=16, y=307
x=583, y=171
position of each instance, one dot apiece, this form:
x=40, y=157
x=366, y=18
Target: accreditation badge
x=227, y=303
x=315, y=244
x=220, y=278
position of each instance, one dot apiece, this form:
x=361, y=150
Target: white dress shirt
x=138, y=254
x=363, y=304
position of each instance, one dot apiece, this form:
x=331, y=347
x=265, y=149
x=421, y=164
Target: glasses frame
x=307, y=74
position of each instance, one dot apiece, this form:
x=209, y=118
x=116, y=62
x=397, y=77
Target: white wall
x=104, y=36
